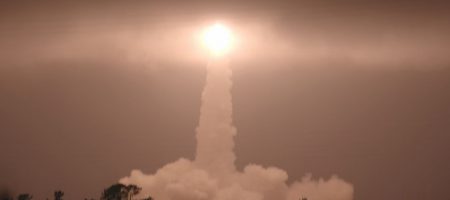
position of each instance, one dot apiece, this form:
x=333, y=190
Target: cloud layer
x=356, y=34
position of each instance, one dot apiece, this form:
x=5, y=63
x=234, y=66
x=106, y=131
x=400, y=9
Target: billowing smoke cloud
x=212, y=175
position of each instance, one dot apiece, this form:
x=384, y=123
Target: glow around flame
x=218, y=39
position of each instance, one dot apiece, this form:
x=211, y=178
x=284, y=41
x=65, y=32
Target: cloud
x=183, y=180
x=333, y=188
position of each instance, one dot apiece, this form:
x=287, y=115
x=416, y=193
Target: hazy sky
x=89, y=91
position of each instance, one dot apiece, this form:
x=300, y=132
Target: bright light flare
x=217, y=39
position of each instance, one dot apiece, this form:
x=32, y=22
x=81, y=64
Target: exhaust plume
x=212, y=175
x=215, y=131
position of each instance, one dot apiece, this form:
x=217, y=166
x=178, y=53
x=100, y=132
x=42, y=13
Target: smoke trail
x=215, y=131
x=213, y=175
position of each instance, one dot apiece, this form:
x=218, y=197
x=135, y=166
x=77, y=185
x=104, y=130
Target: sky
x=91, y=90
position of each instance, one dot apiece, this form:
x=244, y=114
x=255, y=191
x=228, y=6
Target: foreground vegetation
x=117, y=191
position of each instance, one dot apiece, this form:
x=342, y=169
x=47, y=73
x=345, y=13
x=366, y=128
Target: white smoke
x=212, y=175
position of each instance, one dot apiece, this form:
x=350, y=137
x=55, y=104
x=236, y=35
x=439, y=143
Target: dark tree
x=132, y=190
x=115, y=192
x=58, y=195
x=24, y=196
x=120, y=192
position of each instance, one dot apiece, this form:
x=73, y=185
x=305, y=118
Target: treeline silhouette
x=116, y=191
